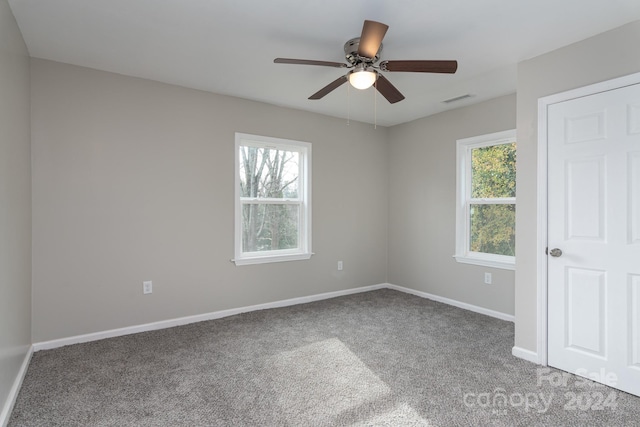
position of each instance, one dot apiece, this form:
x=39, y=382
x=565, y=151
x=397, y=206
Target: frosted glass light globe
x=363, y=79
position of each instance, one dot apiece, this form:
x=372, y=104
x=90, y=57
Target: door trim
x=542, y=183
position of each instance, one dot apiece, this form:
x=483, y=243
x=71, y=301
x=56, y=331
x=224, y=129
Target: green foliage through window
x=493, y=229
x=493, y=171
x=492, y=221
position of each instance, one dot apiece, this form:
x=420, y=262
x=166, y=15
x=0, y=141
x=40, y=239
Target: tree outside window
x=272, y=199
x=485, y=231
x=269, y=175
x=493, y=179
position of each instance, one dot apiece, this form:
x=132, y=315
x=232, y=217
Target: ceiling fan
x=362, y=53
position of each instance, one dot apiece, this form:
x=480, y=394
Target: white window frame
x=464, y=149
x=303, y=200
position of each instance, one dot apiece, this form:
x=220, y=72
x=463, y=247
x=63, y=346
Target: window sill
x=270, y=259
x=506, y=264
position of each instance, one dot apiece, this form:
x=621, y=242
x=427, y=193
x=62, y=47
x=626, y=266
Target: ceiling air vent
x=457, y=98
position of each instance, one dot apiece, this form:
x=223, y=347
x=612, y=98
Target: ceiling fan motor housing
x=351, y=53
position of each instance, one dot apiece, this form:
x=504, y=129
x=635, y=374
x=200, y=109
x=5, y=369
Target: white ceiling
x=228, y=46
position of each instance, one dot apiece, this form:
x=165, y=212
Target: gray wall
x=422, y=201
x=15, y=202
x=133, y=180
x=603, y=57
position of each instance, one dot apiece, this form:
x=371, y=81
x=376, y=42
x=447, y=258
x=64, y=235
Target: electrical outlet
x=487, y=278
x=147, y=287
x=339, y=265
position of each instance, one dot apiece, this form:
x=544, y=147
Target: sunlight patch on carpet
x=322, y=380
x=401, y=415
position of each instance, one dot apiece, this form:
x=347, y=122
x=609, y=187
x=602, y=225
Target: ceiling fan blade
x=388, y=90
x=372, y=34
x=449, y=67
x=328, y=88
x=309, y=62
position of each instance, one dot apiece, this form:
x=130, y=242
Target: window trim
x=303, y=252
x=464, y=148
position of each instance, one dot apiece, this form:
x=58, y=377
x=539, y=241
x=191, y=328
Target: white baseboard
x=15, y=389
x=528, y=355
x=464, y=305
x=47, y=345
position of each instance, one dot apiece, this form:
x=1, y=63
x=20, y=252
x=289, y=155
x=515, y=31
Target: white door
x=594, y=219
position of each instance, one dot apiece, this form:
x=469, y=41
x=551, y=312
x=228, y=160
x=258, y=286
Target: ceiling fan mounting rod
x=351, y=53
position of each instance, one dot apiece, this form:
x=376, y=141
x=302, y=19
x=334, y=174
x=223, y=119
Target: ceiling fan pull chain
x=348, y=104
x=375, y=105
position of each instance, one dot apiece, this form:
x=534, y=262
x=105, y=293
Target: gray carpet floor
x=377, y=358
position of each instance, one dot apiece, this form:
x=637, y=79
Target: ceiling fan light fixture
x=363, y=78
x=362, y=53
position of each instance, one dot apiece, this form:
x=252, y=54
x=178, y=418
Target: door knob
x=555, y=252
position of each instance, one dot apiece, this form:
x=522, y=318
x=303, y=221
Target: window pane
x=270, y=227
x=268, y=172
x=493, y=171
x=493, y=229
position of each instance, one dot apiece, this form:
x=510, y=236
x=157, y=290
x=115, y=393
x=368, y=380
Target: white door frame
x=542, y=213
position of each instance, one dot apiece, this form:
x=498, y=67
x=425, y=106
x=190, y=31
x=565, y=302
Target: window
x=486, y=200
x=273, y=200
